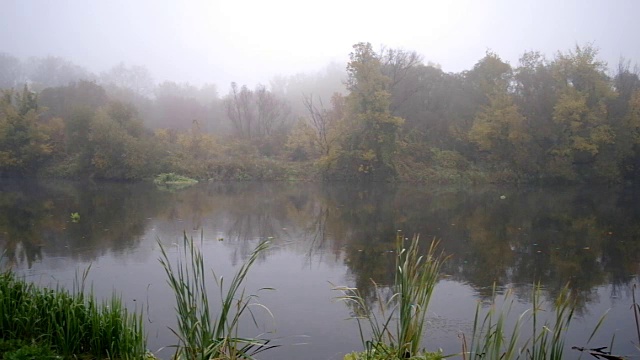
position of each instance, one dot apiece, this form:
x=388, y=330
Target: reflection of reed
x=20, y=253
x=317, y=232
x=245, y=229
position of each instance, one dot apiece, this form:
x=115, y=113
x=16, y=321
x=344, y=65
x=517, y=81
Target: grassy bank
x=48, y=323
x=172, y=181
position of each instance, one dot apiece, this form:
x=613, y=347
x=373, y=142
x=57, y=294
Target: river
x=325, y=235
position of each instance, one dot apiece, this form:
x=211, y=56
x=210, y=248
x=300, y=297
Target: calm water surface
x=326, y=234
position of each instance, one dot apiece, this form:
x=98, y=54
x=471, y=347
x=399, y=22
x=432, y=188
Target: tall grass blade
x=491, y=340
x=397, y=325
x=71, y=323
x=200, y=335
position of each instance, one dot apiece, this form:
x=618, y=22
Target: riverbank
x=41, y=323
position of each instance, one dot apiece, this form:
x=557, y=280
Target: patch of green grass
x=21, y=350
x=200, y=334
x=172, y=181
x=382, y=352
x=70, y=323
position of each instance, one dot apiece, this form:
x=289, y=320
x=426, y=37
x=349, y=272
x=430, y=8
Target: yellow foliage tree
x=368, y=136
x=24, y=144
x=499, y=130
x=580, y=115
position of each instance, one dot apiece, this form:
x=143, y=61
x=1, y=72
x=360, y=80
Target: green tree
x=489, y=75
x=64, y=100
x=534, y=94
x=628, y=138
x=624, y=112
x=76, y=132
x=422, y=99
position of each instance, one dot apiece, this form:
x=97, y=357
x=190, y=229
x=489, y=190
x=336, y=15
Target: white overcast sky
x=249, y=41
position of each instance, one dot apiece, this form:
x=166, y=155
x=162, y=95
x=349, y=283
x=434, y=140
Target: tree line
x=388, y=116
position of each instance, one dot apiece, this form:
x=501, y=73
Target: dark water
x=326, y=234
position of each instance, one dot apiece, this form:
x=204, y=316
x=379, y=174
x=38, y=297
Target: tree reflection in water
x=509, y=237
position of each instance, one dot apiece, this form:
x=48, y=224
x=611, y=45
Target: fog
x=251, y=42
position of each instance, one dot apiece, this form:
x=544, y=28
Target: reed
x=397, y=325
x=201, y=335
x=492, y=338
x=70, y=323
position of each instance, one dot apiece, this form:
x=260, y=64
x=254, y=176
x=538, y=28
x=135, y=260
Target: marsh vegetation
x=49, y=322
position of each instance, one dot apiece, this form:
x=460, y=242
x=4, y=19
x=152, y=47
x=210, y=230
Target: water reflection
x=35, y=219
x=512, y=237
x=588, y=236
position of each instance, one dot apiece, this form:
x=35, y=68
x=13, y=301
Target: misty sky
x=210, y=41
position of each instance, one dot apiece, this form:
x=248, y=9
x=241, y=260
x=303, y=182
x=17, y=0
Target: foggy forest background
x=388, y=115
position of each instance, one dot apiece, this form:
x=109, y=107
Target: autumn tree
x=498, y=127
x=488, y=76
x=62, y=101
x=119, y=149
x=130, y=84
x=196, y=153
x=323, y=121
x=499, y=130
x=582, y=128
x=469, y=91
x=436, y=107
x=24, y=145
x=77, y=145
x=258, y=116
x=239, y=110
x=401, y=67
x=369, y=141
x=427, y=99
